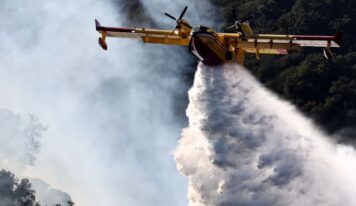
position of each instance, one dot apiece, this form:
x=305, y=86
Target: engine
x=103, y=44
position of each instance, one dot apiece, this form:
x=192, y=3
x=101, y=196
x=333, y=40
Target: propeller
x=179, y=20
x=238, y=22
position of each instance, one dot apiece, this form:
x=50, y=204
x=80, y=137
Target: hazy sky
x=111, y=126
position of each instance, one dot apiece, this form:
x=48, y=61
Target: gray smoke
x=20, y=140
x=111, y=126
x=47, y=195
x=244, y=146
x=198, y=13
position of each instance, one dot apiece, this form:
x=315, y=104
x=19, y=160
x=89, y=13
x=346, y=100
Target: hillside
x=324, y=90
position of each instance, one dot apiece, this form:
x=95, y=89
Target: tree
x=14, y=192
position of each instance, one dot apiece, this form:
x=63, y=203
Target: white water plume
x=244, y=146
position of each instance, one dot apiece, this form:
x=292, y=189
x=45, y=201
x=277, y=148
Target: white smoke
x=47, y=195
x=20, y=140
x=110, y=123
x=244, y=146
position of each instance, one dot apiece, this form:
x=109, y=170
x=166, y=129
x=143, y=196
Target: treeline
x=14, y=192
x=324, y=90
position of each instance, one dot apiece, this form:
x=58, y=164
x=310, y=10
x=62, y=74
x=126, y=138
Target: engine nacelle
x=103, y=44
x=328, y=53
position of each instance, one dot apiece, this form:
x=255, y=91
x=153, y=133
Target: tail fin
x=338, y=37
x=97, y=24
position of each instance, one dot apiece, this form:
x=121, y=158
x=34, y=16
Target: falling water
x=245, y=146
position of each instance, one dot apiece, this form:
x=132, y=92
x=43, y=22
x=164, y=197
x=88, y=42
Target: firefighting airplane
x=215, y=48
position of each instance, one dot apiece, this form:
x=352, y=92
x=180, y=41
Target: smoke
x=244, y=146
x=20, y=140
x=111, y=125
x=48, y=195
x=198, y=13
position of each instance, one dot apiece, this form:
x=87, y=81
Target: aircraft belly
x=208, y=49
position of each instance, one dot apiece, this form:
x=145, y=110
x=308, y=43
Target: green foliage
x=324, y=90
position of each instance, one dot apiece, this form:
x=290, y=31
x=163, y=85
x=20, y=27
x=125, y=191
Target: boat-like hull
x=209, y=49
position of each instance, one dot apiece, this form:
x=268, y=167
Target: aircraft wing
x=280, y=44
x=156, y=36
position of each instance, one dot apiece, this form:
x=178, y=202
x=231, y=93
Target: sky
x=110, y=125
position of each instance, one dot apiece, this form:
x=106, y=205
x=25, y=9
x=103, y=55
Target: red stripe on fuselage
x=114, y=29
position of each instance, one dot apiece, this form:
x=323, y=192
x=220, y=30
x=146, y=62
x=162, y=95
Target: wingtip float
x=216, y=48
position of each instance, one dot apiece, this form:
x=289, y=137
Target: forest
x=324, y=90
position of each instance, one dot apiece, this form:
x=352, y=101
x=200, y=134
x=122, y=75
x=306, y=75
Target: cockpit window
x=202, y=29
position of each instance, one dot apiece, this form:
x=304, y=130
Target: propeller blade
x=230, y=27
x=170, y=16
x=183, y=12
x=173, y=30
x=185, y=24
x=234, y=14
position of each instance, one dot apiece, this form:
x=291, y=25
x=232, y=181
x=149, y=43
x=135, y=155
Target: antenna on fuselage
x=179, y=20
